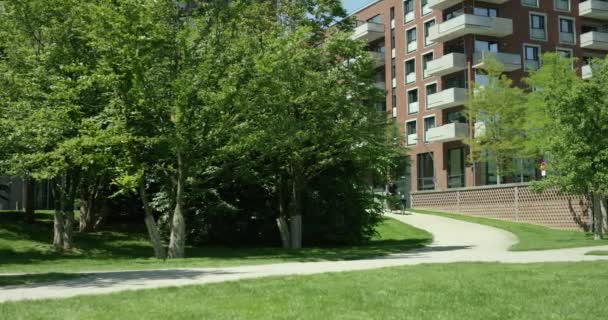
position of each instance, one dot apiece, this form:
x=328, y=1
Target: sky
x=352, y=5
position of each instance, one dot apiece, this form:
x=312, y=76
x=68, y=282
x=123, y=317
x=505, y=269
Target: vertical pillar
x=516, y=203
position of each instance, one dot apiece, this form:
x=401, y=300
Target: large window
x=537, y=27
x=411, y=40
x=531, y=57
x=486, y=12
x=410, y=71
x=424, y=7
x=408, y=10
x=562, y=5
x=566, y=30
x=411, y=133
x=456, y=172
x=425, y=60
x=429, y=123
x=427, y=26
x=430, y=89
x=490, y=45
x=530, y=3
x=412, y=101
x=426, y=171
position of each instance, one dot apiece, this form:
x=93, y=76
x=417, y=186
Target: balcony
x=593, y=9
x=447, y=98
x=594, y=40
x=381, y=85
x=447, y=64
x=444, y=4
x=369, y=31
x=378, y=58
x=470, y=24
x=587, y=72
x=412, y=139
x=509, y=61
x=449, y=132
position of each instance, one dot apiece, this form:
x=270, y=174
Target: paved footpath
x=454, y=241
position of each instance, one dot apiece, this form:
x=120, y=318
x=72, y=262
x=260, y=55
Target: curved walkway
x=454, y=241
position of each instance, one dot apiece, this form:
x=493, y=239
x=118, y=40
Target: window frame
x=531, y=14
x=405, y=73
x=559, y=29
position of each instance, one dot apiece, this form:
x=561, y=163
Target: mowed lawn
x=26, y=248
x=531, y=237
x=442, y=291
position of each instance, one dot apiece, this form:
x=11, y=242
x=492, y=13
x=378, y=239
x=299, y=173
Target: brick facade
x=514, y=43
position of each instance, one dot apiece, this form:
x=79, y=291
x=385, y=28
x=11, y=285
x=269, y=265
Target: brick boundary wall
x=514, y=202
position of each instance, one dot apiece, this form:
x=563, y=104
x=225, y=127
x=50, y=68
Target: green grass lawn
x=445, y=291
x=531, y=237
x=597, y=253
x=26, y=248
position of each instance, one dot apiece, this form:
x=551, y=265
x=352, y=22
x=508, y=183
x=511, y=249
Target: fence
x=515, y=202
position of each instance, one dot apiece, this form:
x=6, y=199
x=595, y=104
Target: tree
x=568, y=124
x=314, y=113
x=46, y=73
x=497, y=108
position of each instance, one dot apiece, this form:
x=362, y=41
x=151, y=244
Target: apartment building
x=428, y=52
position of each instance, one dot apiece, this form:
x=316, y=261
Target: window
x=486, y=12
x=393, y=102
x=425, y=60
x=410, y=40
x=429, y=123
x=456, y=171
x=393, y=39
x=481, y=46
x=393, y=68
x=424, y=7
x=537, y=27
x=430, y=89
x=452, y=14
x=427, y=26
x=374, y=19
x=410, y=71
x=531, y=57
x=456, y=117
x=565, y=53
x=410, y=133
x=530, y=3
x=454, y=81
x=425, y=171
x=562, y=5
x=412, y=101
x=408, y=10
x=481, y=79
x=566, y=30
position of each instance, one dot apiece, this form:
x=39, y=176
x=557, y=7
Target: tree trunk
x=178, y=225
x=598, y=206
x=603, y=214
x=86, y=213
x=58, y=218
x=296, y=216
x=68, y=229
x=296, y=232
x=284, y=231
x=159, y=251
x=281, y=222
x=28, y=199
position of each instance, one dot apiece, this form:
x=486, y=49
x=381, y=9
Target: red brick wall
x=515, y=202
